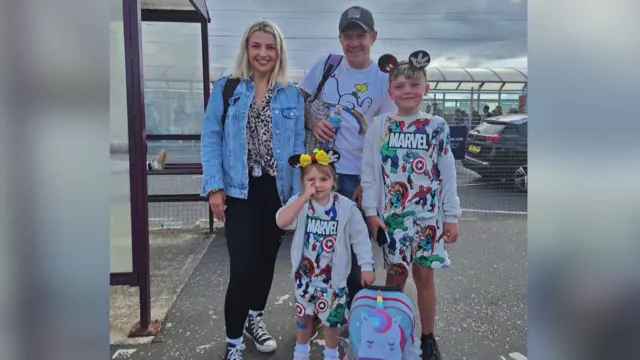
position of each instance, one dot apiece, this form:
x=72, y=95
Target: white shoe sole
x=262, y=348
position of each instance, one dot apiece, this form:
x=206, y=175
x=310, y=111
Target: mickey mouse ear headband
x=318, y=157
x=418, y=59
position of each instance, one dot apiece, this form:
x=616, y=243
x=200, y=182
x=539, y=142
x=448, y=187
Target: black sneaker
x=255, y=330
x=234, y=352
x=429, y=347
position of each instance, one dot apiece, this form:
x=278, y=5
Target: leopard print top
x=260, y=133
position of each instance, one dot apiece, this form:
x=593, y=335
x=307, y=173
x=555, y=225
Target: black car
x=497, y=149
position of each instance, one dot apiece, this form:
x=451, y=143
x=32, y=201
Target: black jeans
x=347, y=185
x=253, y=240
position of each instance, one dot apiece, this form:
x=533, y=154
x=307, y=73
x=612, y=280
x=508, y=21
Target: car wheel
x=521, y=178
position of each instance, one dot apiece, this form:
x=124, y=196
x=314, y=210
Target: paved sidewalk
x=482, y=301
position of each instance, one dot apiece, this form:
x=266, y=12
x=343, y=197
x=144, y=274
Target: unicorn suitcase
x=381, y=326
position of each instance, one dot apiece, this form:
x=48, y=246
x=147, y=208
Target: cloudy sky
x=457, y=33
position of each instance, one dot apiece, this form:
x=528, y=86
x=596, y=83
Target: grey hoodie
x=352, y=231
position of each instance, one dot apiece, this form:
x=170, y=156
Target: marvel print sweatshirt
x=420, y=143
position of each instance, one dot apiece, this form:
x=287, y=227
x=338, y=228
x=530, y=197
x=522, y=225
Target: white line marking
x=517, y=356
x=496, y=211
x=201, y=348
x=123, y=353
x=502, y=357
x=281, y=299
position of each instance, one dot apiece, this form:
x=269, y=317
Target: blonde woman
x=247, y=178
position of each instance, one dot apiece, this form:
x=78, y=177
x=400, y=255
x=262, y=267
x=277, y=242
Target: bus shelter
x=130, y=261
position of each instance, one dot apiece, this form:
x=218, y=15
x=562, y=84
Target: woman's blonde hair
x=243, y=69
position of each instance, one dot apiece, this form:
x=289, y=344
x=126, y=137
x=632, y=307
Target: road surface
x=482, y=311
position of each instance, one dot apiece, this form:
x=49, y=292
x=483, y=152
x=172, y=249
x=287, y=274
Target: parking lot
x=482, y=309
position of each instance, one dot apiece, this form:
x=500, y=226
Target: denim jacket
x=224, y=151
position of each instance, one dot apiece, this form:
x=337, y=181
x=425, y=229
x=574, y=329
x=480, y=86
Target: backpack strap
x=382, y=288
x=330, y=65
x=227, y=92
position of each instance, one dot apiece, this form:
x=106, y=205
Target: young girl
x=326, y=225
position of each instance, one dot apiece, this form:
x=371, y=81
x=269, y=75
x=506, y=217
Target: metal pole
x=137, y=160
x=470, y=115
x=206, y=86
x=444, y=99
x=479, y=90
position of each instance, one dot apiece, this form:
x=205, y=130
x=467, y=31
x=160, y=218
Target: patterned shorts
x=418, y=241
x=328, y=304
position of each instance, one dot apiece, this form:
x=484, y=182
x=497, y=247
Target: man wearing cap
x=361, y=89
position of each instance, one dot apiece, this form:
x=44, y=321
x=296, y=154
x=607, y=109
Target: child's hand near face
x=309, y=190
x=368, y=278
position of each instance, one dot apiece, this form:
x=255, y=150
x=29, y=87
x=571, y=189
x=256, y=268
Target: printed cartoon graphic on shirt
x=306, y=270
x=420, y=125
x=425, y=254
x=409, y=152
x=321, y=230
x=355, y=103
x=399, y=193
x=314, y=292
x=320, y=235
x=401, y=245
x=409, y=158
x=425, y=195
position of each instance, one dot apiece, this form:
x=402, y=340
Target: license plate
x=474, y=149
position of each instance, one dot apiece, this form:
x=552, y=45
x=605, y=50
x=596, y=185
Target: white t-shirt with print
x=363, y=95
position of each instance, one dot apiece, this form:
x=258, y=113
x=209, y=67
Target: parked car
x=497, y=149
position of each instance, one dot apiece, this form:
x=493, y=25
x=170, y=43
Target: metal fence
x=489, y=189
x=491, y=166
x=477, y=195
x=488, y=194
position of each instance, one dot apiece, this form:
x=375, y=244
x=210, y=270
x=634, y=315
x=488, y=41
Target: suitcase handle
x=382, y=288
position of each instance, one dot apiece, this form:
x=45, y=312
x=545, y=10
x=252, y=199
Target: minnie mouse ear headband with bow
x=419, y=59
x=321, y=157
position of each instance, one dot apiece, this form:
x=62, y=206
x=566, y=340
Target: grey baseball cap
x=358, y=15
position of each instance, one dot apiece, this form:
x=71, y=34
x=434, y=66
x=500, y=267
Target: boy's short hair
x=405, y=70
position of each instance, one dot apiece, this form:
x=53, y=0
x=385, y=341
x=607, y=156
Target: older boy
x=409, y=180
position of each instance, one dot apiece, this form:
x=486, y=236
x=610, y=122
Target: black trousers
x=253, y=240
